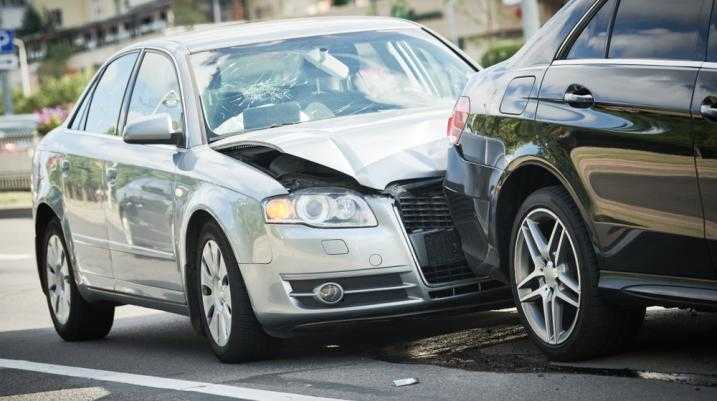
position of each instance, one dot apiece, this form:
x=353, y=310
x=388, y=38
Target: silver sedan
x=263, y=179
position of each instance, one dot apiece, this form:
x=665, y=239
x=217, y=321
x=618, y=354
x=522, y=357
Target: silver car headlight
x=320, y=207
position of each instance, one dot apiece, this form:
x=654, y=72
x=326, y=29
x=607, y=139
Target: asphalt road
x=152, y=355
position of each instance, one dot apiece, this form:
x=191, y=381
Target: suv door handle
x=578, y=96
x=708, y=109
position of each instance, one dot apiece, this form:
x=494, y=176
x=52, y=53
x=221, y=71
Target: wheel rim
x=216, y=294
x=59, y=289
x=547, y=276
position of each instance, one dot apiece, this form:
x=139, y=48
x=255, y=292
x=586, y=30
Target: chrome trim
x=709, y=65
x=405, y=286
x=380, y=271
x=636, y=61
x=80, y=239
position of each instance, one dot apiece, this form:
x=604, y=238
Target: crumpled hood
x=375, y=149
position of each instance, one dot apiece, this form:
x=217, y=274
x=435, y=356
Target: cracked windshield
x=292, y=81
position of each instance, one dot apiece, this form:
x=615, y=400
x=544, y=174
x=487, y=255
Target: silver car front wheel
x=216, y=293
x=227, y=316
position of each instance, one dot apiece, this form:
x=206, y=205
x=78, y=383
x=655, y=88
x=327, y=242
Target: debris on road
x=405, y=382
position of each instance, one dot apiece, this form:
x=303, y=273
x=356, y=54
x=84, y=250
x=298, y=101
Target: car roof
x=235, y=34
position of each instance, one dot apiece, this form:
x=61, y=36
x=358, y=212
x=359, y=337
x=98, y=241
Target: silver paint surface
x=125, y=208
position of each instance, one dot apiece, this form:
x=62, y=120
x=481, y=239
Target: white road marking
x=71, y=394
x=243, y=393
x=12, y=258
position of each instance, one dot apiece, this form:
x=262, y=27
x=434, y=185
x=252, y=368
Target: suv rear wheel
x=74, y=318
x=554, y=278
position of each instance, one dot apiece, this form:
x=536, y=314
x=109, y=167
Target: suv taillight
x=459, y=118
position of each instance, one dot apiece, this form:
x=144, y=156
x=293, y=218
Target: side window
x=592, y=42
x=107, y=99
x=156, y=90
x=79, y=119
x=673, y=30
x=712, y=50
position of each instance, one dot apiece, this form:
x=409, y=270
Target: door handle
x=708, y=109
x=578, y=96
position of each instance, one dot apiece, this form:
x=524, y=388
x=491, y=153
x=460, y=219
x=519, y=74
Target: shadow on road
x=671, y=342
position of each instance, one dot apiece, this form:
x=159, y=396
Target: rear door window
x=712, y=49
x=107, y=99
x=592, y=42
x=671, y=30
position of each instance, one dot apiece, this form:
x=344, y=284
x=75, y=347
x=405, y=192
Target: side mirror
x=154, y=129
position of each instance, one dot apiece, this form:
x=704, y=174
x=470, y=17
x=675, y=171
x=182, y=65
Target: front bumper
x=376, y=267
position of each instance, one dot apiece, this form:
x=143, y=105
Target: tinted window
x=107, y=99
x=660, y=29
x=156, y=91
x=712, y=54
x=592, y=42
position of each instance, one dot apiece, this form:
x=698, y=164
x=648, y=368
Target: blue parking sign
x=6, y=45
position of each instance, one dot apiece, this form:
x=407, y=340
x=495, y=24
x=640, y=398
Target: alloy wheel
x=547, y=276
x=216, y=293
x=59, y=289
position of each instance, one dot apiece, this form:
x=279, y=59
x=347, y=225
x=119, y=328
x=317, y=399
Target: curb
x=14, y=213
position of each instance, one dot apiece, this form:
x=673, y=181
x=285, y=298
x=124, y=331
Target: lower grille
x=424, y=211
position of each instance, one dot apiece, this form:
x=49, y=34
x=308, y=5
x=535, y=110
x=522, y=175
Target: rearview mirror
x=154, y=129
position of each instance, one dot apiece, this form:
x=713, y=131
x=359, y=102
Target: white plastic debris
x=405, y=382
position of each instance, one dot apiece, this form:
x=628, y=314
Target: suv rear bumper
x=470, y=188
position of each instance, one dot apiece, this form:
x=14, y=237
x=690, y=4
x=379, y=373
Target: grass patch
x=12, y=200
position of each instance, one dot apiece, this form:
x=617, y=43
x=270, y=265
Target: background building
x=67, y=36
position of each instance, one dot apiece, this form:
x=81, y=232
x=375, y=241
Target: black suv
x=584, y=171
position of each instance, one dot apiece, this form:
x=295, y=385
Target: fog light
x=329, y=293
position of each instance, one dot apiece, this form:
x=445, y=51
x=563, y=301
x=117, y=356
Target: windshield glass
x=297, y=80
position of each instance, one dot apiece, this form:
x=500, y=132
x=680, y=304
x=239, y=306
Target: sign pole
x=6, y=93
x=8, y=61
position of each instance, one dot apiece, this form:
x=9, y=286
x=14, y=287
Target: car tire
x=74, y=318
x=222, y=297
x=566, y=286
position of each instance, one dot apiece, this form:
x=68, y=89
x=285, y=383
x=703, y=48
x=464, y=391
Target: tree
x=55, y=63
x=31, y=22
x=401, y=9
x=189, y=12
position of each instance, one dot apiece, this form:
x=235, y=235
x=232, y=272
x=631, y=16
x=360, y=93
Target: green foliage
x=55, y=63
x=188, y=12
x=31, y=22
x=401, y=9
x=499, y=53
x=53, y=92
